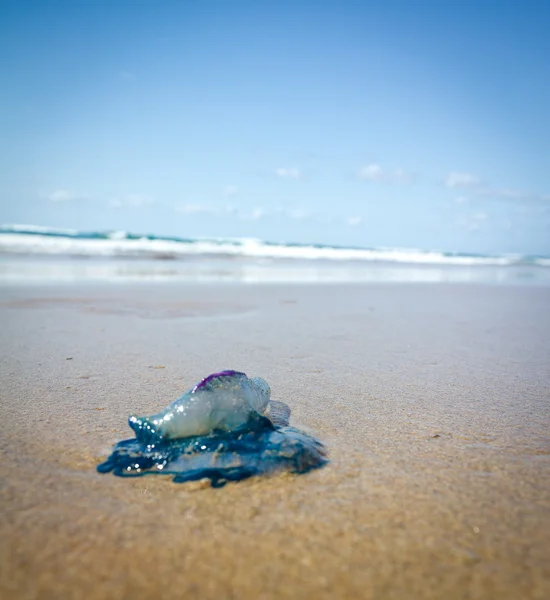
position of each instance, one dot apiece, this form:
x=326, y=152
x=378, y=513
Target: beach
x=432, y=399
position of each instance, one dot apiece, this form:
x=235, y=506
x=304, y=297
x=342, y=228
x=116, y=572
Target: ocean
x=30, y=253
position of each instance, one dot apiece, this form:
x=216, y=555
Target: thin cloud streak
x=62, y=195
x=131, y=201
x=462, y=180
x=475, y=186
x=289, y=173
x=126, y=76
x=355, y=221
x=473, y=222
x=376, y=174
x=257, y=213
x=230, y=190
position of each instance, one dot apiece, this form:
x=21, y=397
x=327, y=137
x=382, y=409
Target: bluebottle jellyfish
x=225, y=428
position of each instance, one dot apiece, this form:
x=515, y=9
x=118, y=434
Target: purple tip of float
x=227, y=373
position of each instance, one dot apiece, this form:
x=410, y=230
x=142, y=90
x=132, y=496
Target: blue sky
x=415, y=124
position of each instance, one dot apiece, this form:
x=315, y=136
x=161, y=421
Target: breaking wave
x=38, y=240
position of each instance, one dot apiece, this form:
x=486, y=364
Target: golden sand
x=433, y=400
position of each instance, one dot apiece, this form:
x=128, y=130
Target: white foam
x=117, y=244
x=50, y=241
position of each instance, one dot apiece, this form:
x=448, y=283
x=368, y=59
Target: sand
x=433, y=400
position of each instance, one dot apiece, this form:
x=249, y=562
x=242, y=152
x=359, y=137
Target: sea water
x=37, y=254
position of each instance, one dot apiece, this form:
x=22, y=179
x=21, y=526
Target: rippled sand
x=434, y=401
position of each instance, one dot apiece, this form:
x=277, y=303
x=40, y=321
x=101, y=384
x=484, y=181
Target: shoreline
x=433, y=402
x=39, y=270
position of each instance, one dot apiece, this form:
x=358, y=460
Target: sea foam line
x=36, y=240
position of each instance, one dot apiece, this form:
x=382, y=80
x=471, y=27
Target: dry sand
x=433, y=399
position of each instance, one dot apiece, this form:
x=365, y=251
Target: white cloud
x=400, y=176
x=257, y=213
x=510, y=194
x=503, y=193
x=476, y=221
x=473, y=222
x=62, y=196
x=213, y=211
x=289, y=173
x=126, y=76
x=376, y=173
x=371, y=173
x=481, y=190
x=292, y=214
x=355, y=221
x=130, y=201
x=297, y=214
x=231, y=190
x=461, y=180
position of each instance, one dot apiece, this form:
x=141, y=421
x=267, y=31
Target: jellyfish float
x=225, y=428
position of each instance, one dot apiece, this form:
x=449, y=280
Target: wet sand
x=433, y=400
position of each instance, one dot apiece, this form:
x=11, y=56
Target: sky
x=419, y=124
